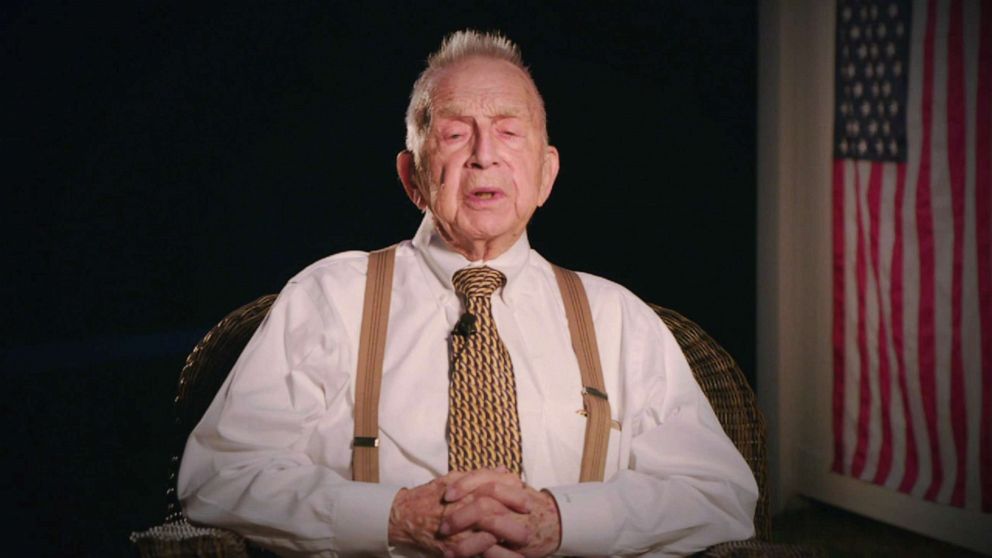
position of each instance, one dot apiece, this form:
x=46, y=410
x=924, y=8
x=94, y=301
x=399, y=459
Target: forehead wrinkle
x=458, y=111
x=491, y=108
x=491, y=100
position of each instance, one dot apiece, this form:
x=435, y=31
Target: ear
x=405, y=168
x=549, y=171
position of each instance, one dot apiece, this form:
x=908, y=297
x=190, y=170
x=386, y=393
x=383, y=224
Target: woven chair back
x=732, y=399
x=205, y=370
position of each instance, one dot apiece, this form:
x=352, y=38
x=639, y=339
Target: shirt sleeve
x=250, y=464
x=686, y=487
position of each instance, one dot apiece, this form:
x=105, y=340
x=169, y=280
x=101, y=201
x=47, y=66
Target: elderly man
x=272, y=457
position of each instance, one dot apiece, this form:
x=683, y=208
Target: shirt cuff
x=588, y=524
x=361, y=518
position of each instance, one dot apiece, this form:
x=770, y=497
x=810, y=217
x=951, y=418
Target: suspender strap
x=594, y=398
x=371, y=350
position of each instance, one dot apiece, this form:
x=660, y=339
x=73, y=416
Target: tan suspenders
x=594, y=398
x=371, y=349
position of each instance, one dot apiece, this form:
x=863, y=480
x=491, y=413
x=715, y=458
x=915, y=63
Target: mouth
x=485, y=194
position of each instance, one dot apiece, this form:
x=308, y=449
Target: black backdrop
x=166, y=162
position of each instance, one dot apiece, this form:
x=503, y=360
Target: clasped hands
x=487, y=512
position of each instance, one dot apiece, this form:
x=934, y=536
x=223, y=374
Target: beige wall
x=795, y=120
x=794, y=127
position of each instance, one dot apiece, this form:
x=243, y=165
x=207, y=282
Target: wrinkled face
x=486, y=164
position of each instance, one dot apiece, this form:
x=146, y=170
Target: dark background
x=164, y=163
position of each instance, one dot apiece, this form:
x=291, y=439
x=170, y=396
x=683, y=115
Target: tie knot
x=477, y=281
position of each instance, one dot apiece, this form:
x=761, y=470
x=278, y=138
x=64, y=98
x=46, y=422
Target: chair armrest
x=753, y=548
x=181, y=539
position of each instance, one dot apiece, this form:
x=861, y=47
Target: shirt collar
x=444, y=262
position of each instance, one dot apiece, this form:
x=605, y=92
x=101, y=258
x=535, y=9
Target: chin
x=489, y=234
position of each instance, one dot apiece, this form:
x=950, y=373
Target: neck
x=480, y=250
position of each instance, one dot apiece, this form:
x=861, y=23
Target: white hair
x=456, y=47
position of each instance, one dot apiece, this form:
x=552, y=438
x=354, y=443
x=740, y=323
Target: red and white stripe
x=913, y=278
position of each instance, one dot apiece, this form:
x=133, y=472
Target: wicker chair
x=207, y=367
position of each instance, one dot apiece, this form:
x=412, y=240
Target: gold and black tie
x=483, y=426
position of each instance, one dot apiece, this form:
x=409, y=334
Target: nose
x=483, y=151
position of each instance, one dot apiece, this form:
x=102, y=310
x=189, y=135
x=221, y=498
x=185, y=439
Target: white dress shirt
x=271, y=457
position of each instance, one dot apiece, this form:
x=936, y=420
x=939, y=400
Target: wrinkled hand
x=522, y=520
x=417, y=514
x=486, y=512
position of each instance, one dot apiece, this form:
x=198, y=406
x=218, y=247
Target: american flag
x=912, y=248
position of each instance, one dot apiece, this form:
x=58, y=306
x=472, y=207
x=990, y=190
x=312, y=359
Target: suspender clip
x=365, y=442
x=589, y=390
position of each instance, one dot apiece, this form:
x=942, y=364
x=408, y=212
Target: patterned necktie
x=483, y=426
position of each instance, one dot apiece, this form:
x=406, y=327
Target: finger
x=451, y=477
x=489, y=516
x=470, y=515
x=498, y=551
x=472, y=544
x=514, y=497
x=509, y=530
x=474, y=479
x=467, y=482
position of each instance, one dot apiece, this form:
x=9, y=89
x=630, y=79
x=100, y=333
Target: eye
x=454, y=136
x=453, y=131
x=510, y=128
